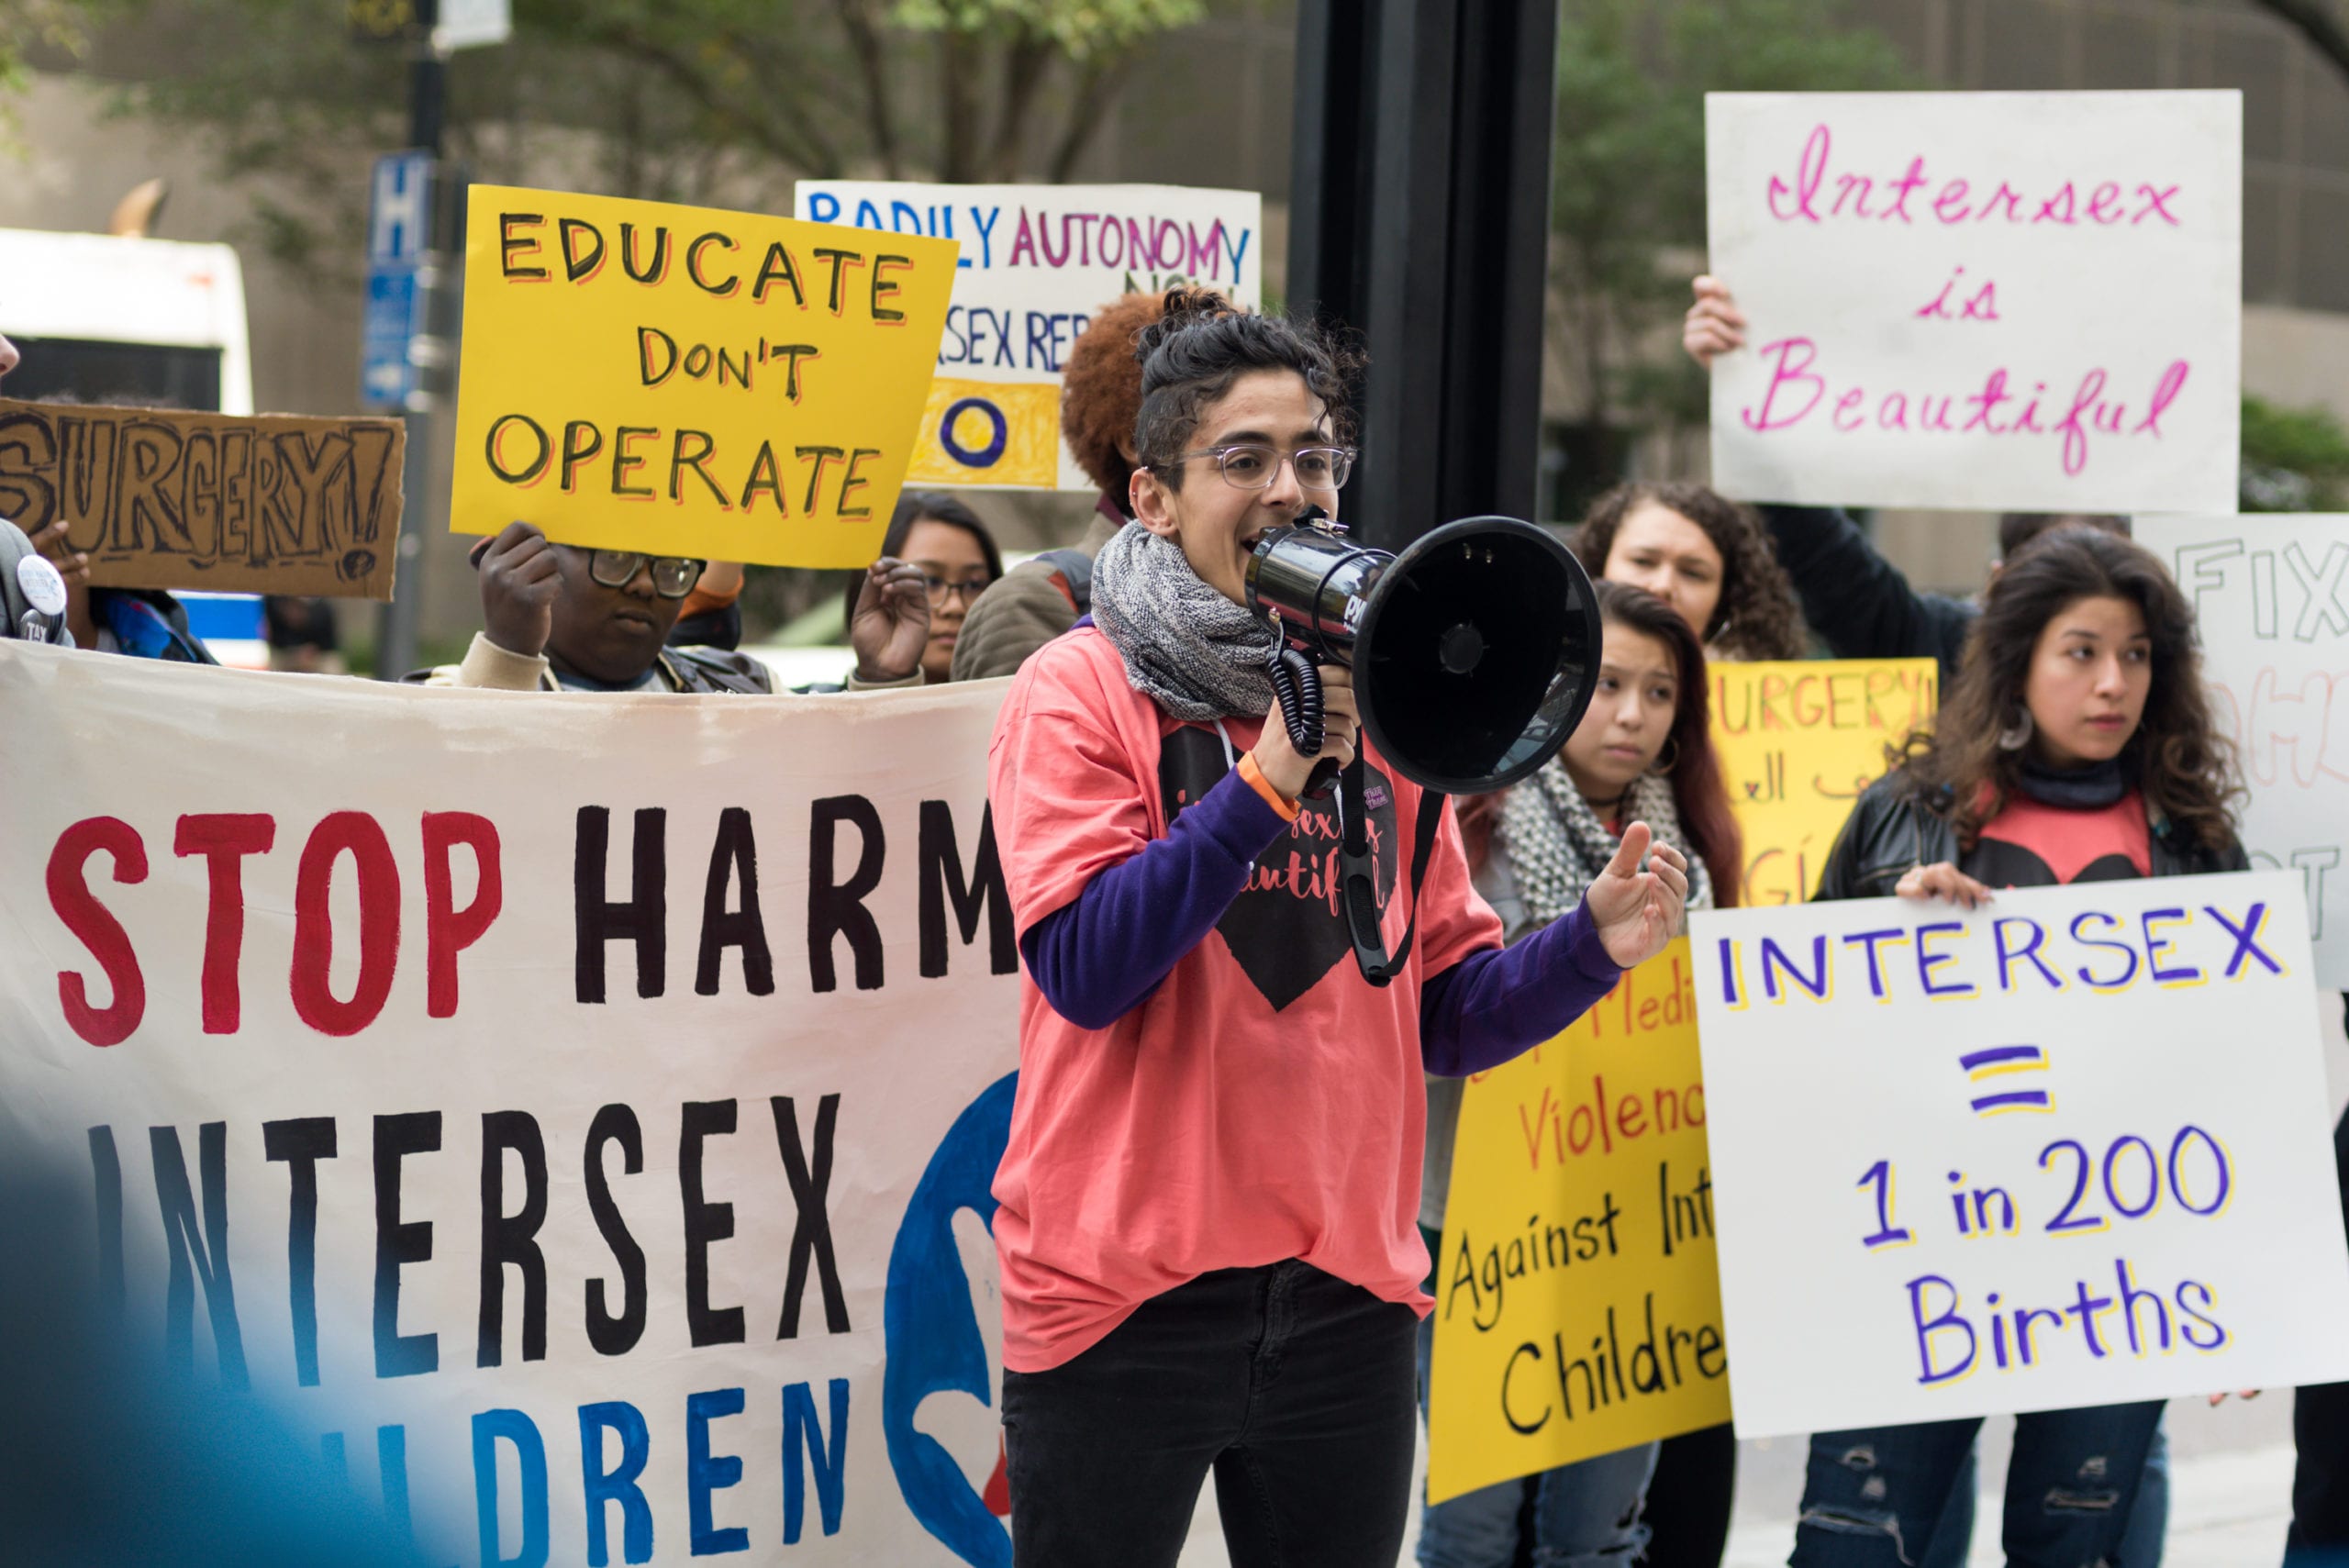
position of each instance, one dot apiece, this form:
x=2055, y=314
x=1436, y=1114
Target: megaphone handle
x=1297, y=685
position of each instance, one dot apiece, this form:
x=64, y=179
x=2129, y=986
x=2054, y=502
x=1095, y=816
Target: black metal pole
x=396, y=640
x=1420, y=214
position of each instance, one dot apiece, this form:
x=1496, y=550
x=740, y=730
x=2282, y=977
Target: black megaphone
x=1471, y=653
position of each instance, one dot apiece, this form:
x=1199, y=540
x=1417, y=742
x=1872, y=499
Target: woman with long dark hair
x=1642, y=752
x=2075, y=746
x=943, y=539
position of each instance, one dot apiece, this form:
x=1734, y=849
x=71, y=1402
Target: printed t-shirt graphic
x=1287, y=927
x=1243, y=1111
x=2033, y=845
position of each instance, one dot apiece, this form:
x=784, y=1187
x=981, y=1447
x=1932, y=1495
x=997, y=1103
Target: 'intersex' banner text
x=1577, y=1306
x=640, y=375
x=1036, y=261
x=2009, y=301
x=2070, y=1148
x=2271, y=605
x=585, y=1105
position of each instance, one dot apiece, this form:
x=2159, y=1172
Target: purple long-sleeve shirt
x=1100, y=956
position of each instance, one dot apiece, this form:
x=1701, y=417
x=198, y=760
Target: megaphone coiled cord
x=1297, y=686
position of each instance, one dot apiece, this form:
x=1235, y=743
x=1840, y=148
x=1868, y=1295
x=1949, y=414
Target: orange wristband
x=1264, y=786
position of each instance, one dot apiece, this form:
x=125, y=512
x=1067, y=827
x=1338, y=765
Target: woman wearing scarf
x=1643, y=754
x=2075, y=746
x=1210, y=1265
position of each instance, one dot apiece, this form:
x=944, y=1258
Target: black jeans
x=1293, y=1387
x=2319, y=1536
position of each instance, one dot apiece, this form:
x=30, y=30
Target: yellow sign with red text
x=640, y=375
x=1797, y=743
x=1578, y=1303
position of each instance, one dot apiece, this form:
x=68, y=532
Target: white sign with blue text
x=2070, y=1148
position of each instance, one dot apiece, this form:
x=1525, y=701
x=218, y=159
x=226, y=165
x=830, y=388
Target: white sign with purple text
x=2003, y=301
x=1036, y=261
x=2071, y=1149
x=2271, y=603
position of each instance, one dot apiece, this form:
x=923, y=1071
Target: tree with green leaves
x=1626, y=214
x=682, y=100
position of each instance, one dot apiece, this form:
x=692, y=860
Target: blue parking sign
x=399, y=232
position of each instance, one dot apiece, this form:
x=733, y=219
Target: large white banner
x=2024, y=300
x=2271, y=598
x=1036, y=261
x=583, y=1106
x=2071, y=1149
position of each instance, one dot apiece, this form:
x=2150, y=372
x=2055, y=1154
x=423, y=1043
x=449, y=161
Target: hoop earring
x=2016, y=736
x=1662, y=768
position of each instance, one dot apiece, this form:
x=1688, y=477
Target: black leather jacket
x=1892, y=827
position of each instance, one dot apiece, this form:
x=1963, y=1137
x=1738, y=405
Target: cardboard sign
x=2271, y=603
x=225, y=503
x=643, y=377
x=648, y=1059
x=1797, y=743
x=2072, y=1148
x=1577, y=1307
x=1035, y=263
x=2025, y=301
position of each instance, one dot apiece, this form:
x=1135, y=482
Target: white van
x=105, y=319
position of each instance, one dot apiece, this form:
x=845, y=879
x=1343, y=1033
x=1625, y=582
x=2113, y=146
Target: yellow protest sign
x=1578, y=1303
x=638, y=375
x=1797, y=743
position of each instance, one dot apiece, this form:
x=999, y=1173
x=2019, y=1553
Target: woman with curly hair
x=1644, y=751
x=1710, y=559
x=1704, y=555
x=2075, y=746
x=1100, y=398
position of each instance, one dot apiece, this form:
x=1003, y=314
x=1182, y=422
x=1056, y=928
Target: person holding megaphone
x=1208, y=1206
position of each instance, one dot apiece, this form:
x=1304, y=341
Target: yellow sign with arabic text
x=1797, y=743
x=1578, y=1303
x=640, y=375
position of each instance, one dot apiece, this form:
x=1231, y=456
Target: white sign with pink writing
x=2004, y=301
x=2271, y=602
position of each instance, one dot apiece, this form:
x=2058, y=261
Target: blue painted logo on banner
x=942, y=1317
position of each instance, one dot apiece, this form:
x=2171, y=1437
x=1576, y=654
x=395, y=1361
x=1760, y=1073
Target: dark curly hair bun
x=1202, y=344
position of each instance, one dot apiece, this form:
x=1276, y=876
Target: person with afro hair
x=1100, y=399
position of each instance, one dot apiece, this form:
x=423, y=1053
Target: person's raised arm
x=1859, y=603
x=1495, y=1004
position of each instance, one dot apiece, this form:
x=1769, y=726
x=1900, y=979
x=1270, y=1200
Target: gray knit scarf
x=1557, y=846
x=1197, y=654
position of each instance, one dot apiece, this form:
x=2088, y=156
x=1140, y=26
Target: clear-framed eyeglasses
x=672, y=576
x=1248, y=465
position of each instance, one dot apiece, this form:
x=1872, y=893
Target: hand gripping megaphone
x=1471, y=653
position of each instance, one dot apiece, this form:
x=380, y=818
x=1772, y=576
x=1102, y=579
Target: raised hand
x=519, y=583
x=1635, y=911
x=1714, y=325
x=891, y=626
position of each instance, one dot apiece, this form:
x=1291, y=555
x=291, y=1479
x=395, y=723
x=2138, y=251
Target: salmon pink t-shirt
x=1265, y=1102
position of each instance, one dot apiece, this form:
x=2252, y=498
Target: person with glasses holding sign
x=1207, y=1208
x=563, y=617
x=945, y=541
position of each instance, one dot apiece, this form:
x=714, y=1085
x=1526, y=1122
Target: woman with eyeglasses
x=563, y=617
x=945, y=541
x=1207, y=1209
